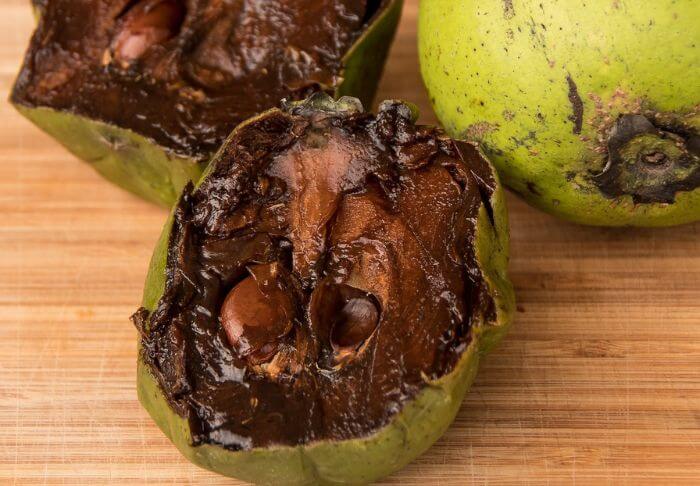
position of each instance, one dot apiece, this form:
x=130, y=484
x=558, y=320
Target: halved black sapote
x=147, y=90
x=316, y=307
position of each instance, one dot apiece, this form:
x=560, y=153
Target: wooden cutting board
x=599, y=381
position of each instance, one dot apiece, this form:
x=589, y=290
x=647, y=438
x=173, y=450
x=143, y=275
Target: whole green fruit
x=332, y=201
x=589, y=110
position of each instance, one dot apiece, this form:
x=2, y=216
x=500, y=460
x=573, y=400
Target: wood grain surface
x=599, y=381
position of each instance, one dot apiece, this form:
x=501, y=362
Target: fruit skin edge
x=421, y=422
x=517, y=74
x=144, y=168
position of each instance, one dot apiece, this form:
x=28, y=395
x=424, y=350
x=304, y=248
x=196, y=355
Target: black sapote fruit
x=147, y=90
x=317, y=305
x=589, y=110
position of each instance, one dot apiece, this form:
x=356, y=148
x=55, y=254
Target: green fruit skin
x=496, y=71
x=144, y=168
x=360, y=461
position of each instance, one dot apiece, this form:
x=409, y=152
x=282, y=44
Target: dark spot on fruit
x=576, y=105
x=508, y=9
x=492, y=150
x=532, y=187
x=478, y=131
x=651, y=157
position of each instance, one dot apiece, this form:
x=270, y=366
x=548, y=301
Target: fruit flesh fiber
x=344, y=455
x=545, y=86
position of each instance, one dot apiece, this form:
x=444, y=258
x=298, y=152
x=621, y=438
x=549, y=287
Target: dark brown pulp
x=185, y=72
x=319, y=275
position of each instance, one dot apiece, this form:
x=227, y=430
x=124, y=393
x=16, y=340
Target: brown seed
x=255, y=315
x=146, y=24
x=354, y=323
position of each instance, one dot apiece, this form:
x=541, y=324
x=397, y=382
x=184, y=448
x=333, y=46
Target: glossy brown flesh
x=185, y=72
x=350, y=238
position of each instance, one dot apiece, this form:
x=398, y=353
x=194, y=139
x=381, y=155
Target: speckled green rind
x=359, y=461
x=497, y=72
x=143, y=167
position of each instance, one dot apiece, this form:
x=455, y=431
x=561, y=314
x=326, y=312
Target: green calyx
x=143, y=167
x=409, y=433
x=649, y=164
x=544, y=87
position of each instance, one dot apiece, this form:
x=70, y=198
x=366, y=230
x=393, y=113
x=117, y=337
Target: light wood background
x=599, y=381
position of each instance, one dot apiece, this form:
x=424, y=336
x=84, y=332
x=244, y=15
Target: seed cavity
x=576, y=116
x=354, y=323
x=145, y=24
x=346, y=317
